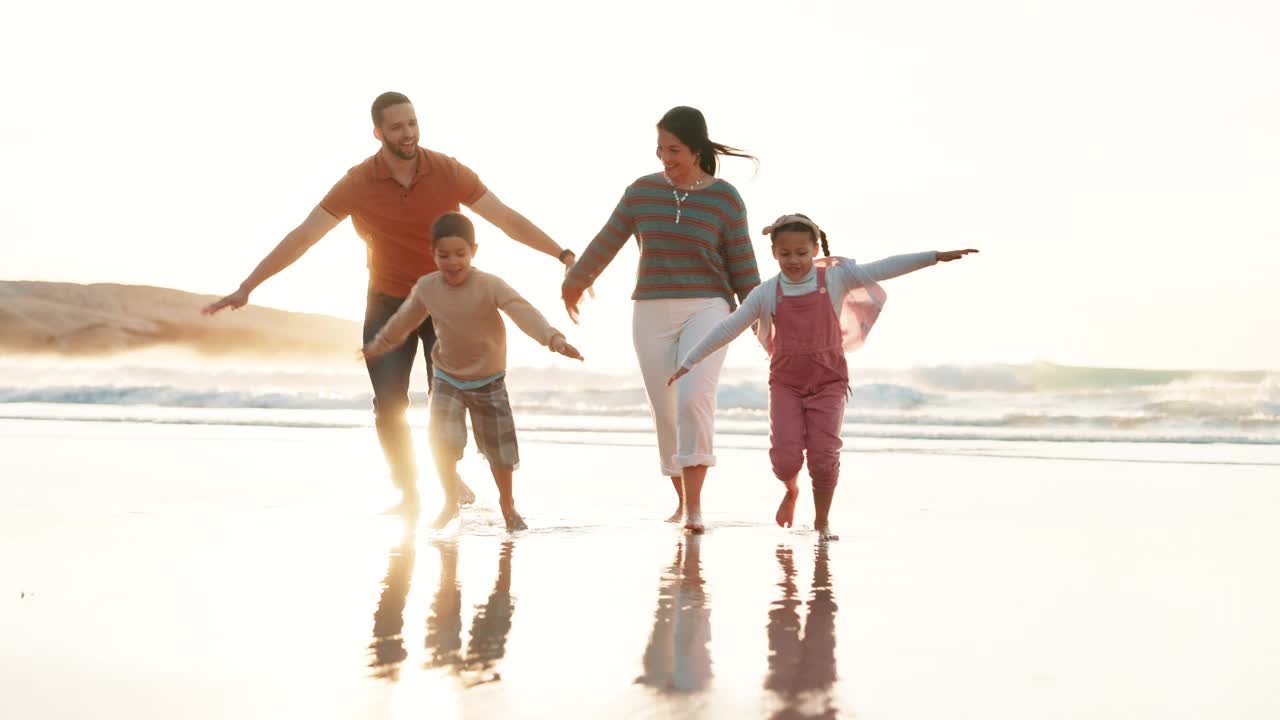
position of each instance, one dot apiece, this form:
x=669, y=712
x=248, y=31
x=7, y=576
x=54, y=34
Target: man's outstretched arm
x=519, y=228
x=293, y=246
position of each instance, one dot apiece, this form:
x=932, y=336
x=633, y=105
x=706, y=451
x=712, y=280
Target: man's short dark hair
x=384, y=101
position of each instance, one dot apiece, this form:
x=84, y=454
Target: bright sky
x=1116, y=161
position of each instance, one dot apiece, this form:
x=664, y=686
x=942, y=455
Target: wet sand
x=151, y=571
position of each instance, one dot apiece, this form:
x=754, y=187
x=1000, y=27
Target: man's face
x=399, y=131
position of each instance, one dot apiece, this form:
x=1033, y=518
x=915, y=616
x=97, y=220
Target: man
x=393, y=197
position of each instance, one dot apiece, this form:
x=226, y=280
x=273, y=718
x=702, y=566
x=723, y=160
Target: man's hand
x=560, y=345
x=368, y=353
x=235, y=301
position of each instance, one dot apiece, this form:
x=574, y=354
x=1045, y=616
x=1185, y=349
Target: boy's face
x=794, y=250
x=453, y=257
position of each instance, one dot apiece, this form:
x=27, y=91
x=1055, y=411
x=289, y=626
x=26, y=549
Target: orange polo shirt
x=395, y=221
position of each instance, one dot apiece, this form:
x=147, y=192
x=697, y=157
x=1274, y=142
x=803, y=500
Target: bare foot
x=408, y=506
x=466, y=495
x=514, y=521
x=825, y=534
x=693, y=523
x=677, y=516
x=446, y=516
x=787, y=508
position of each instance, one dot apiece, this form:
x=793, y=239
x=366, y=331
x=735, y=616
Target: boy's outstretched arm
x=529, y=320
x=411, y=313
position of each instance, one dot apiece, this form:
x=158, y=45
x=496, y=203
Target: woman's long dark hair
x=690, y=127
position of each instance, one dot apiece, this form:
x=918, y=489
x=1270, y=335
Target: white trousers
x=684, y=414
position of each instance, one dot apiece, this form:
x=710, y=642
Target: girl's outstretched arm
x=726, y=330
x=854, y=275
x=949, y=255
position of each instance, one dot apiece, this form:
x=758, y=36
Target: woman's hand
x=572, y=298
x=560, y=345
x=949, y=255
x=677, y=375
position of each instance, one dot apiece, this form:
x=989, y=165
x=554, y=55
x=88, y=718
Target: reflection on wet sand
x=387, y=649
x=489, y=627
x=677, y=658
x=802, y=665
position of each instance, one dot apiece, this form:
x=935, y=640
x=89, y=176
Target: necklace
x=675, y=192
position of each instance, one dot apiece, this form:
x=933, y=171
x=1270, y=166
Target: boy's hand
x=558, y=344
x=677, y=375
x=949, y=255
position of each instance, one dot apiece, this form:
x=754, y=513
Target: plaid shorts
x=491, y=422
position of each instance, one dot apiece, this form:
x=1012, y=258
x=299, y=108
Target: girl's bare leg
x=821, y=508
x=787, y=508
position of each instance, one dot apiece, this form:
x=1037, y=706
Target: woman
x=696, y=261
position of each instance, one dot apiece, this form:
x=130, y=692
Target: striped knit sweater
x=707, y=254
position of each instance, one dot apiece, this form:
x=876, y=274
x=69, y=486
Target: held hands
x=677, y=375
x=949, y=255
x=235, y=301
x=560, y=345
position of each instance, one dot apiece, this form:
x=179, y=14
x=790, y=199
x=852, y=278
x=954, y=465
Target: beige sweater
x=471, y=340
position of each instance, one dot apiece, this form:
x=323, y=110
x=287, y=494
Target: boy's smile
x=453, y=258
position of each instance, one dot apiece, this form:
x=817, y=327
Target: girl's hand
x=558, y=344
x=677, y=375
x=949, y=255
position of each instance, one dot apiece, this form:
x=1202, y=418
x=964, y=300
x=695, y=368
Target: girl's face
x=453, y=258
x=678, y=161
x=795, y=250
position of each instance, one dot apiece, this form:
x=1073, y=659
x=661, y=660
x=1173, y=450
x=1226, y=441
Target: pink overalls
x=808, y=383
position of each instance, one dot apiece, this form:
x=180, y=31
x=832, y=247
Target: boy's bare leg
x=678, y=515
x=787, y=508
x=821, y=508
x=507, y=501
x=694, y=476
x=447, y=471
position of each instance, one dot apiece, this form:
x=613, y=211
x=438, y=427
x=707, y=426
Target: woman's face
x=794, y=251
x=678, y=161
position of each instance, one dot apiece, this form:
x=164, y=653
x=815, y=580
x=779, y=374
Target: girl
x=470, y=359
x=809, y=316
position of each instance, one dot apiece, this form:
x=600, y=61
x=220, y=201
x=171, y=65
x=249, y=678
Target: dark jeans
x=390, y=377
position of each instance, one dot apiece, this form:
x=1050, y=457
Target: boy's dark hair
x=384, y=101
x=821, y=240
x=454, y=224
